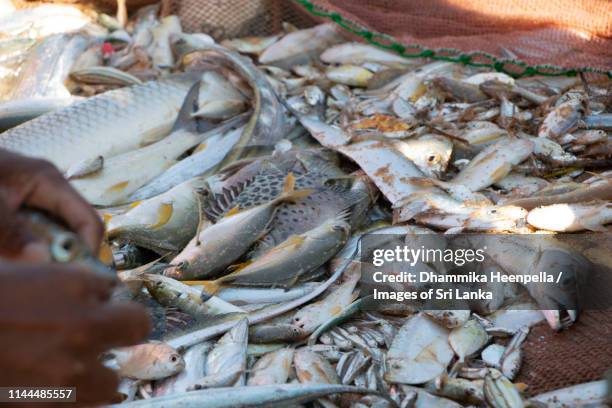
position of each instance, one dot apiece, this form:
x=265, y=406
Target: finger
x=16, y=241
x=51, y=192
x=113, y=325
x=96, y=385
x=80, y=284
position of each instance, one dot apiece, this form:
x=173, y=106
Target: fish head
x=65, y=246
x=560, y=302
x=169, y=362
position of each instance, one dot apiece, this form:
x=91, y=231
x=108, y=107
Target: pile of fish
x=237, y=179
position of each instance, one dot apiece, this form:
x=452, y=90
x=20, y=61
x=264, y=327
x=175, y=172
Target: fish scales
x=104, y=125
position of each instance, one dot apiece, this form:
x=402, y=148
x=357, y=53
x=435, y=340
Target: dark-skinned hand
x=34, y=183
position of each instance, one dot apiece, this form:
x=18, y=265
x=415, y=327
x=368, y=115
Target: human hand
x=55, y=320
x=38, y=184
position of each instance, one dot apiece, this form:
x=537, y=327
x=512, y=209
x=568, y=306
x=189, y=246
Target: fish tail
x=289, y=193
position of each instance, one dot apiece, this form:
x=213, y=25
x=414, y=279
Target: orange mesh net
x=544, y=36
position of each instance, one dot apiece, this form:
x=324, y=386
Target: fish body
x=358, y=53
x=172, y=293
x=161, y=52
x=117, y=178
x=15, y=112
x=219, y=245
x=201, y=162
x=277, y=395
x=162, y=223
x=351, y=75
x=284, y=264
x=43, y=20
x=272, y=368
x=468, y=339
x=419, y=353
x=229, y=354
x=149, y=361
x=312, y=368
x=195, y=366
x=299, y=47
x=124, y=119
x=310, y=317
x=572, y=217
x=493, y=163
x=48, y=65
x=563, y=119
x=519, y=255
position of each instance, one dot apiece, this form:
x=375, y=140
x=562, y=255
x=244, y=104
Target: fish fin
x=289, y=193
x=135, y=204
x=85, y=168
x=233, y=211
x=217, y=206
x=119, y=187
x=164, y=213
x=107, y=217
x=210, y=287
x=238, y=266
x=201, y=220
x=190, y=103
x=294, y=240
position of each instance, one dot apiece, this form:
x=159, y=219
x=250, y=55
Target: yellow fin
x=239, y=266
x=135, y=204
x=294, y=240
x=119, y=187
x=164, y=213
x=200, y=147
x=210, y=287
x=106, y=254
x=107, y=217
x=289, y=193
x=233, y=211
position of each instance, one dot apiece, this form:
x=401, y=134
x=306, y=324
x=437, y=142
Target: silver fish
x=124, y=119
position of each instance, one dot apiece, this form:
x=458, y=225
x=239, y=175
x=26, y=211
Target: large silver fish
x=104, y=125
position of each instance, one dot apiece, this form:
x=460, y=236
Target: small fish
x=499, y=392
x=358, y=53
x=299, y=47
x=162, y=223
x=468, y=339
x=459, y=90
x=250, y=45
x=161, y=51
x=349, y=75
x=172, y=293
x=493, y=163
x=216, y=247
x=149, y=361
x=420, y=352
x=241, y=295
x=104, y=76
x=312, y=368
x=195, y=365
x=230, y=352
x=275, y=333
x=310, y=317
x=283, y=265
x=563, y=119
x=272, y=368
x=572, y=217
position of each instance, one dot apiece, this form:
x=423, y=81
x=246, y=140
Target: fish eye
x=432, y=158
x=493, y=211
x=158, y=283
x=182, y=266
x=174, y=358
x=63, y=247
